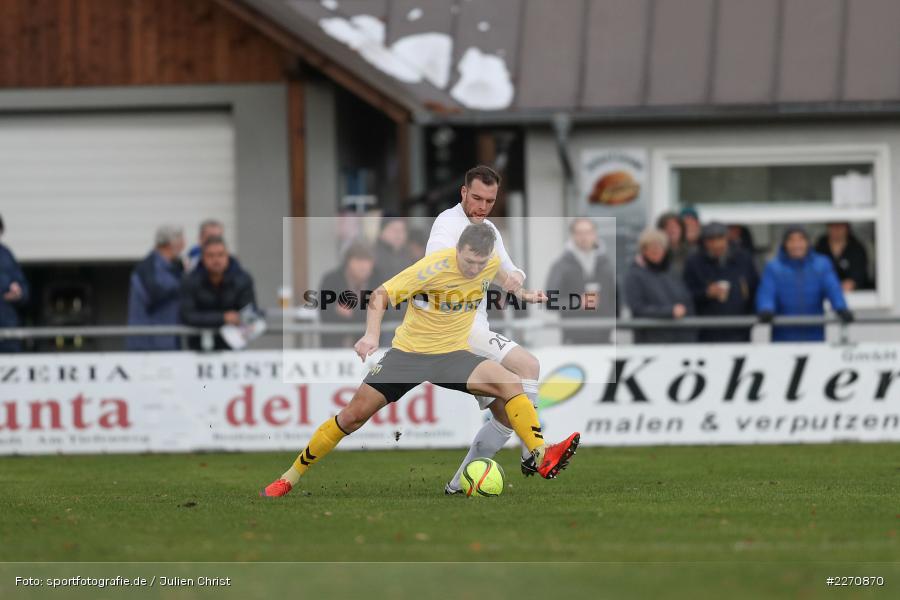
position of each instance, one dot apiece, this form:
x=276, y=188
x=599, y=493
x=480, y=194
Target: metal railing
x=279, y=325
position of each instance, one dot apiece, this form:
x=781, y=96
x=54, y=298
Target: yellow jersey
x=442, y=303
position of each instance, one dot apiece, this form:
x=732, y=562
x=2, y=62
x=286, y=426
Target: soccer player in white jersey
x=478, y=196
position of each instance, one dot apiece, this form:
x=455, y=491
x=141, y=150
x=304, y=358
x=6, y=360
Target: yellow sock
x=525, y=423
x=322, y=442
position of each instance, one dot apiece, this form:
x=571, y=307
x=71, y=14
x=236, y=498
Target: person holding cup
x=723, y=281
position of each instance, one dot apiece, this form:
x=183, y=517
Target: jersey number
x=499, y=340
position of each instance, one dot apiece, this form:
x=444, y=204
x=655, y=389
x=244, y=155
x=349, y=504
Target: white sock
x=531, y=390
x=490, y=438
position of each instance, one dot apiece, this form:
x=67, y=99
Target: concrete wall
x=545, y=185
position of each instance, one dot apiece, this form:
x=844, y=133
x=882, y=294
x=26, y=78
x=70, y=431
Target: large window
x=766, y=189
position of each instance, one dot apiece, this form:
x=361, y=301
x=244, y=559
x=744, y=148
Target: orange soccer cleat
x=556, y=457
x=277, y=489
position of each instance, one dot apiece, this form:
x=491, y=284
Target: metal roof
x=611, y=58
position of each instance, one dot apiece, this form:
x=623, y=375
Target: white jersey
x=445, y=233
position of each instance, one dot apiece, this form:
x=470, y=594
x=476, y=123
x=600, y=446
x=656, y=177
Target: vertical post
x=296, y=236
x=843, y=333
x=207, y=340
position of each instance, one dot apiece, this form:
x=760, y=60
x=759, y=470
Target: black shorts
x=398, y=372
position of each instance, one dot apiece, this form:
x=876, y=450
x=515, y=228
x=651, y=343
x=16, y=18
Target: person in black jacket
x=14, y=294
x=848, y=255
x=583, y=280
x=722, y=281
x=348, y=283
x=215, y=292
x=654, y=291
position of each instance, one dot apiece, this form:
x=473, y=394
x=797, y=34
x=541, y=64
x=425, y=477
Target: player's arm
x=395, y=290
x=506, y=279
x=368, y=343
x=516, y=275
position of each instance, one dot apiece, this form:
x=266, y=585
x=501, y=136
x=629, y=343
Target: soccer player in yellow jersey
x=431, y=344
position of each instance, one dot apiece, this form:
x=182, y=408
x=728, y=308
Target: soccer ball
x=482, y=477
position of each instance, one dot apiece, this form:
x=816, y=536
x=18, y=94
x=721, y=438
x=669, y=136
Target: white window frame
x=664, y=160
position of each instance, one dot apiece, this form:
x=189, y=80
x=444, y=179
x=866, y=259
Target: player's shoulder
x=439, y=255
x=435, y=263
x=450, y=214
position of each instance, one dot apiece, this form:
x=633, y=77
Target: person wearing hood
x=797, y=282
x=583, y=280
x=723, y=281
x=215, y=292
x=653, y=290
x=848, y=256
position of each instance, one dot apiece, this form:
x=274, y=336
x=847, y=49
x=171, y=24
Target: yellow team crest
x=485, y=284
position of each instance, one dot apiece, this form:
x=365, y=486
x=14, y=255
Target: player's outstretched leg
x=492, y=379
x=366, y=402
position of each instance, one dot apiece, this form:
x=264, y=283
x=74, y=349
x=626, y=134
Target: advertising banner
x=687, y=394
x=722, y=394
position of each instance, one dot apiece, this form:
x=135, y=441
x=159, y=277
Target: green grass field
x=735, y=520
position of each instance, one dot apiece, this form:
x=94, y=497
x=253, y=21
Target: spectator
x=391, y=253
x=690, y=220
x=848, y=256
x=796, y=282
x=348, y=282
x=13, y=293
x=215, y=292
x=722, y=281
x=416, y=244
x=585, y=281
x=740, y=236
x=208, y=228
x=653, y=290
x=670, y=224
x=154, y=291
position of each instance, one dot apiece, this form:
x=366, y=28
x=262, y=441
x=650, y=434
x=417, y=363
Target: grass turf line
x=807, y=503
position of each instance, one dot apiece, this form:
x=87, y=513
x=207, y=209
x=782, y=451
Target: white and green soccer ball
x=482, y=478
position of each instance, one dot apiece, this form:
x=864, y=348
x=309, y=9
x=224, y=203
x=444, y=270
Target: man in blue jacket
x=153, y=297
x=797, y=282
x=13, y=294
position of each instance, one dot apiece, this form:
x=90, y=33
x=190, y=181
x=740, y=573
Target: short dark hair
x=480, y=237
x=487, y=175
x=214, y=240
x=358, y=249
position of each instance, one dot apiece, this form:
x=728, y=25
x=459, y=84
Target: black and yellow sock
x=323, y=441
x=524, y=420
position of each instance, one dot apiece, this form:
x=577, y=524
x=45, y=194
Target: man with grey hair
x=208, y=228
x=153, y=296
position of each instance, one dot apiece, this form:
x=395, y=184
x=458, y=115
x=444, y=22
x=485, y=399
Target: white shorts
x=494, y=346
